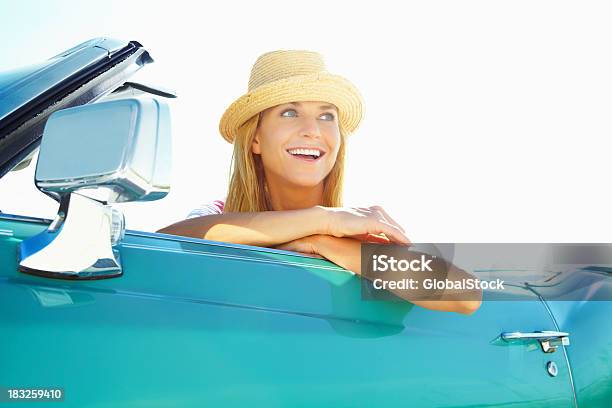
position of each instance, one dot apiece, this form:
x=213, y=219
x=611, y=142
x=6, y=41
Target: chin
x=306, y=181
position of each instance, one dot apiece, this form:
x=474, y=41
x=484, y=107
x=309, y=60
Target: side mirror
x=122, y=145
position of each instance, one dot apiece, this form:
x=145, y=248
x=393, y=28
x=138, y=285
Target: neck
x=291, y=197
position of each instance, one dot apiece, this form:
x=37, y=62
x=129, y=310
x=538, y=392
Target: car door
x=202, y=323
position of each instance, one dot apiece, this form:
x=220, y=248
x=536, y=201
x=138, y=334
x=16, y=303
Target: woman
x=289, y=133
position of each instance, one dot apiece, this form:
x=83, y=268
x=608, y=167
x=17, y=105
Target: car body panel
x=194, y=322
x=590, y=353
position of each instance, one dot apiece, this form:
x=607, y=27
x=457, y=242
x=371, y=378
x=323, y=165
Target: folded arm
x=269, y=228
x=346, y=252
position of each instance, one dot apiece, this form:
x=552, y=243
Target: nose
x=310, y=127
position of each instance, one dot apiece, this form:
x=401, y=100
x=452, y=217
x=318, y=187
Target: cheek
x=333, y=142
x=332, y=157
x=331, y=160
x=271, y=150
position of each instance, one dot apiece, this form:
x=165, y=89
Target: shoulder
x=214, y=207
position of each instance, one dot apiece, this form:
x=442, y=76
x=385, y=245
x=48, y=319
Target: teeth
x=308, y=152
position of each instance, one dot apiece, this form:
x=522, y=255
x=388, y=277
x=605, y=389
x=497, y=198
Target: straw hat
x=279, y=77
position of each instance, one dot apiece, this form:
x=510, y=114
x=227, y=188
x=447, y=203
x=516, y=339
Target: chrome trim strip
x=179, y=238
x=234, y=257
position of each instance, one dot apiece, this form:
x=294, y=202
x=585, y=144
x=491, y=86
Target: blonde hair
x=247, y=190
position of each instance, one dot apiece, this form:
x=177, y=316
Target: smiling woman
x=289, y=133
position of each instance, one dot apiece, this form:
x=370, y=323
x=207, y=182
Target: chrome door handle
x=549, y=340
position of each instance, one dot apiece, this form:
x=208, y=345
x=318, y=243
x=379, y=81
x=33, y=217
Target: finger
x=383, y=214
x=393, y=233
x=388, y=217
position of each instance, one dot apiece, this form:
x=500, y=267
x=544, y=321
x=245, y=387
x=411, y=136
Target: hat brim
x=313, y=87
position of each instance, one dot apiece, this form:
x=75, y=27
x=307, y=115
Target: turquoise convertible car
x=93, y=315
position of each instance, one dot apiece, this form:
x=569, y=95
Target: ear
x=255, y=146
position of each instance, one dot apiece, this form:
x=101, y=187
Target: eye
x=289, y=113
x=329, y=115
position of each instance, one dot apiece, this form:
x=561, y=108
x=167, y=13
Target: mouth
x=308, y=154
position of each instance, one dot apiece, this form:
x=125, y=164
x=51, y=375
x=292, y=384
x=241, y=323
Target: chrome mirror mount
x=122, y=146
x=78, y=244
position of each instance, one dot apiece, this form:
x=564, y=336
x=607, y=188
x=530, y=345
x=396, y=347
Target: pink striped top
x=216, y=207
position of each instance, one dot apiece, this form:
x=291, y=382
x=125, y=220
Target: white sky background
x=485, y=121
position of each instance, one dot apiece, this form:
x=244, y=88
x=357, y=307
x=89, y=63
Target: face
x=298, y=142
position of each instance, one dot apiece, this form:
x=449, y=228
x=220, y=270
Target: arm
x=346, y=252
x=269, y=228
x=259, y=228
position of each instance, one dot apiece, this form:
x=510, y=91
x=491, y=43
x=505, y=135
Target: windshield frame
x=83, y=78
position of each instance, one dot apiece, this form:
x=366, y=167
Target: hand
x=361, y=221
x=306, y=245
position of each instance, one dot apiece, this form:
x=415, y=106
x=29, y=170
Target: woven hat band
x=277, y=65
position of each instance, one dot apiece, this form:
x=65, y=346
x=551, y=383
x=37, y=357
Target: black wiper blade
x=152, y=89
